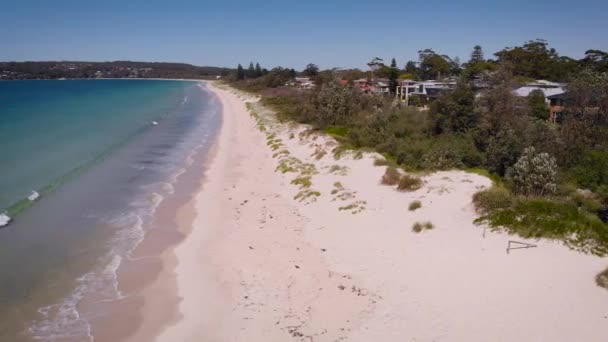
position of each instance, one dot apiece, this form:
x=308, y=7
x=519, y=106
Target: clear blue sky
x=330, y=33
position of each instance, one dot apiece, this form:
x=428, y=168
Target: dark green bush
x=592, y=170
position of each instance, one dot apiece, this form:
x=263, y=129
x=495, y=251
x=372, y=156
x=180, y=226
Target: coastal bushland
x=550, y=177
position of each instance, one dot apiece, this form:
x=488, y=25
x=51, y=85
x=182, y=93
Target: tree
x=251, y=71
x=537, y=105
x=596, y=60
x=240, y=73
x=433, y=65
x=393, y=76
x=258, y=70
x=455, y=111
x=503, y=150
x=477, y=64
x=311, y=70
x=477, y=55
x=534, y=173
x=375, y=64
x=534, y=59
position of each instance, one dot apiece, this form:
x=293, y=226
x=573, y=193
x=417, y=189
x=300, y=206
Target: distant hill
x=116, y=69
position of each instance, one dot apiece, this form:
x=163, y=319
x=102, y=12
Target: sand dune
x=334, y=258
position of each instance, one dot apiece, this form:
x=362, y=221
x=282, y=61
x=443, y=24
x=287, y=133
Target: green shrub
x=442, y=158
x=602, y=279
x=592, y=170
x=415, y=205
x=495, y=198
x=503, y=150
x=534, y=173
x=391, y=176
x=409, y=183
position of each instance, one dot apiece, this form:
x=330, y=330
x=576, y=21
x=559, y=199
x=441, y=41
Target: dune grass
x=415, y=205
x=552, y=218
x=391, y=176
x=303, y=182
x=409, y=183
x=419, y=227
x=602, y=279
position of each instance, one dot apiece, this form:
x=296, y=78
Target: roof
x=543, y=83
x=526, y=90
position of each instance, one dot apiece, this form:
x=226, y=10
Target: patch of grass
x=355, y=207
x=288, y=165
x=281, y=153
x=495, y=198
x=319, y=153
x=483, y=172
x=303, y=182
x=358, y=155
x=307, y=195
x=339, y=170
x=602, y=279
x=415, y=205
x=391, y=176
x=409, y=183
x=552, y=219
x=381, y=162
x=420, y=227
x=339, y=131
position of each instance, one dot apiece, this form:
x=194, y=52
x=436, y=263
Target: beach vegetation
x=415, y=205
x=338, y=169
x=602, y=279
x=303, y=182
x=381, y=162
x=391, y=176
x=409, y=183
x=355, y=207
x=534, y=173
x=307, y=195
x=419, y=227
x=537, y=164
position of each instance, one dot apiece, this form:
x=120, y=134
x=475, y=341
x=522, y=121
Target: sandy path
x=345, y=265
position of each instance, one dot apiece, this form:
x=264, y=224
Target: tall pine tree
x=392, y=77
x=240, y=73
x=251, y=71
x=477, y=55
x=258, y=70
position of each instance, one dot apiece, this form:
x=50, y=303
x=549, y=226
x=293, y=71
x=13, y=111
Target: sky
x=329, y=33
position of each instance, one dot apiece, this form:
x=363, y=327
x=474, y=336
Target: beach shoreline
x=336, y=259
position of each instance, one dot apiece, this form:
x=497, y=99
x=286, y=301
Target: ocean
x=102, y=154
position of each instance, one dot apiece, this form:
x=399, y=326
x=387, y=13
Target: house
x=380, y=86
x=428, y=90
x=555, y=95
x=375, y=85
x=363, y=84
x=548, y=88
x=304, y=82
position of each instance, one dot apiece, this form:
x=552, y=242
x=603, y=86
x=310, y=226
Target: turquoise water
x=102, y=167
x=50, y=128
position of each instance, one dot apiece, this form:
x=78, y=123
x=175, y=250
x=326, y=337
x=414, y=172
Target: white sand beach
x=343, y=264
